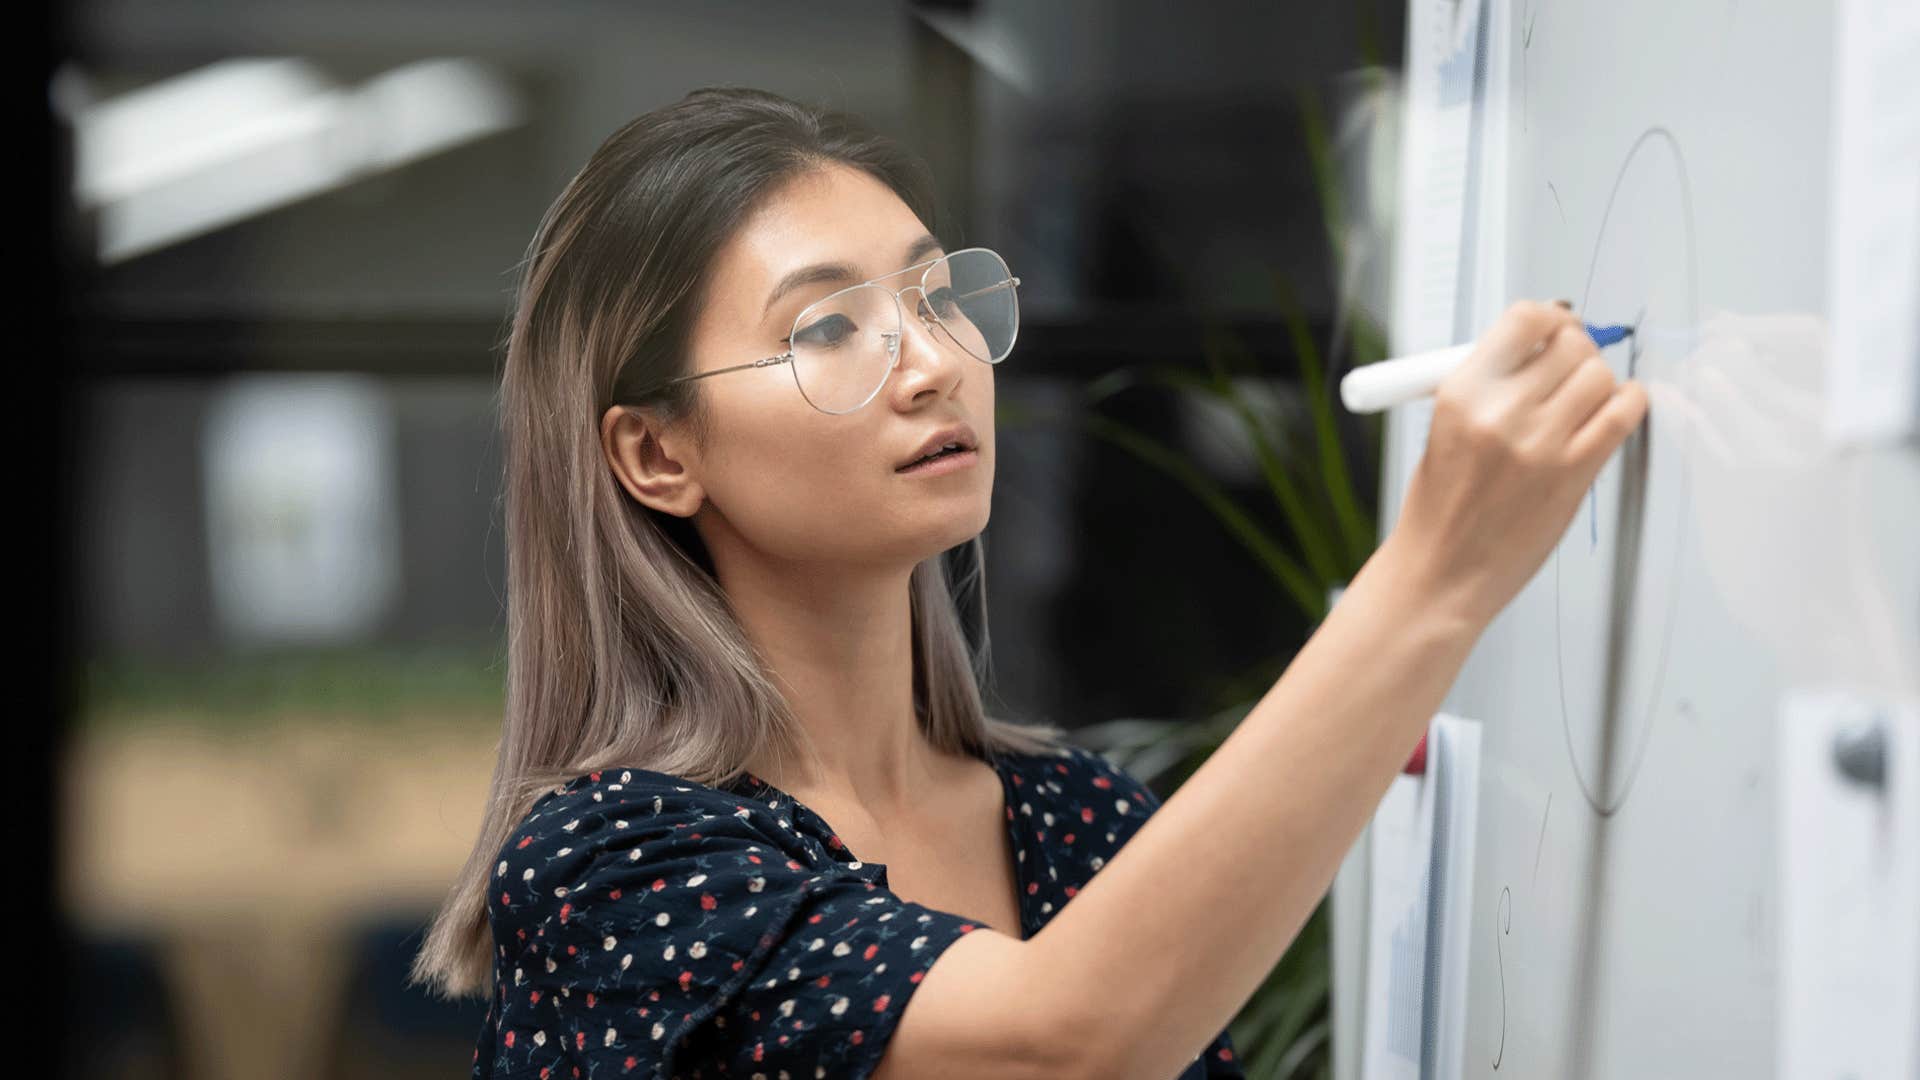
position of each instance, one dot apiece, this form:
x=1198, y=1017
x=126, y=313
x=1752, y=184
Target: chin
x=958, y=532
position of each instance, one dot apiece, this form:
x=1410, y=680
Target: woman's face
x=779, y=477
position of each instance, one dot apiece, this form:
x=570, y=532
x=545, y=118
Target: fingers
x=1566, y=350
x=1587, y=385
x=1518, y=335
x=1610, y=424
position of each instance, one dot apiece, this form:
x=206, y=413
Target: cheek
x=787, y=490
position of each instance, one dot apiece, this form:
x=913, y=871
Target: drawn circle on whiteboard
x=1616, y=571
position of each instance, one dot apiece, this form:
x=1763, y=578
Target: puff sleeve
x=650, y=928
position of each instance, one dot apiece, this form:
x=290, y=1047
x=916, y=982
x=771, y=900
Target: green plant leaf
x=1356, y=526
x=1308, y=527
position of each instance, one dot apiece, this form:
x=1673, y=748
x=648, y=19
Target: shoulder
x=633, y=825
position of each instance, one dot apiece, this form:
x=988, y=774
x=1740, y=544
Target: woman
x=749, y=817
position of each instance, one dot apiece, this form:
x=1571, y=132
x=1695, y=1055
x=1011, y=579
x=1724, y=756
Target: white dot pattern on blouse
x=648, y=926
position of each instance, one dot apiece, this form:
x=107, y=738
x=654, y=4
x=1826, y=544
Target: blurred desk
x=253, y=857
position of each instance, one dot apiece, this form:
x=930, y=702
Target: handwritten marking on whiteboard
x=1542, y=842
x=1505, y=917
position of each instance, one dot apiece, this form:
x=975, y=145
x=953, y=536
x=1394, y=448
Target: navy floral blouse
x=648, y=926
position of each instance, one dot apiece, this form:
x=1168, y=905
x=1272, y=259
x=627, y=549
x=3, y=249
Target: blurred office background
x=287, y=235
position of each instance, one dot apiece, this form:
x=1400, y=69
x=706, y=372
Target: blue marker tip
x=1604, y=336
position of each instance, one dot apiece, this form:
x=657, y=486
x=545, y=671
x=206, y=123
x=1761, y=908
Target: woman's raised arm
x=1164, y=945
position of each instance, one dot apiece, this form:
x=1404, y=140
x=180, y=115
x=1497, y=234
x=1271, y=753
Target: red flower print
x=707, y=902
x=1102, y=783
x=857, y=1038
x=1086, y=814
x=871, y=949
x=686, y=979
x=880, y=1003
x=524, y=841
x=565, y=910
x=509, y=1040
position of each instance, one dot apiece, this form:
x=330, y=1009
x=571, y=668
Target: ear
x=642, y=454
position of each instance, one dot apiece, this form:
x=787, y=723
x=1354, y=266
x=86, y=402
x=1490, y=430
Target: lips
x=958, y=435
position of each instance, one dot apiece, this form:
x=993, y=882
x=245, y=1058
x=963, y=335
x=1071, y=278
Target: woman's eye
x=824, y=333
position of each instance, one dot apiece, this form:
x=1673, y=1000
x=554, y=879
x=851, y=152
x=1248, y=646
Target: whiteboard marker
x=1403, y=378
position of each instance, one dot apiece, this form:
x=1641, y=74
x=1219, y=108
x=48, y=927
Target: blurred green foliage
x=244, y=689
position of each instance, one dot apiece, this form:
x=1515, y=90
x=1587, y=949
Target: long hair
x=622, y=649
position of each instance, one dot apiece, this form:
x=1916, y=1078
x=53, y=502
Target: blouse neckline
x=749, y=784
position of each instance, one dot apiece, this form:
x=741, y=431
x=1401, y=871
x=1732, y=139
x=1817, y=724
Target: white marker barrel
x=1393, y=382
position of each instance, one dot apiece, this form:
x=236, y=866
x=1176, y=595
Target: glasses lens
x=843, y=347
x=972, y=294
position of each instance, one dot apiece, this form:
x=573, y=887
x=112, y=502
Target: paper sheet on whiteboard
x=1450, y=262
x=1873, y=265
x=1849, y=976
x=1421, y=852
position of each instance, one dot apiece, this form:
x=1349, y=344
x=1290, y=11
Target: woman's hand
x=1520, y=429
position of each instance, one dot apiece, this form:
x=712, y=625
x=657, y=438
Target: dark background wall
x=1141, y=164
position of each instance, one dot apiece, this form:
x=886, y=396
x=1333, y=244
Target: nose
x=934, y=352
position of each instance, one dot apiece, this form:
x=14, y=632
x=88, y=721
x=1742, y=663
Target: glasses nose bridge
x=917, y=286
x=920, y=310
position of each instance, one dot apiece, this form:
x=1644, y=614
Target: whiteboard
x=1667, y=164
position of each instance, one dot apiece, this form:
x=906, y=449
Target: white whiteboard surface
x=1668, y=165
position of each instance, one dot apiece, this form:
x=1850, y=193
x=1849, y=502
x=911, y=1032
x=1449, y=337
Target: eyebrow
x=843, y=272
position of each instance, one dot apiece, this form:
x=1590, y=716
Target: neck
x=839, y=646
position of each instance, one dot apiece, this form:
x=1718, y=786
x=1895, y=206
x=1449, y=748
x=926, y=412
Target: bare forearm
x=1188, y=918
